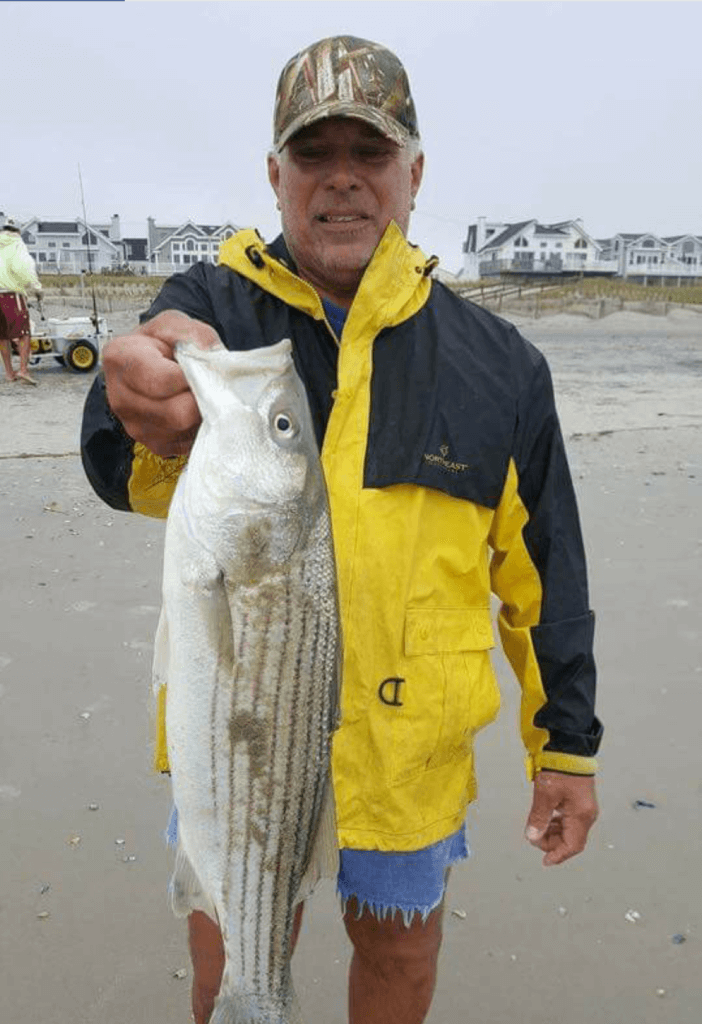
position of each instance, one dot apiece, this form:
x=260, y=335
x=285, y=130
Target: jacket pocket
x=448, y=692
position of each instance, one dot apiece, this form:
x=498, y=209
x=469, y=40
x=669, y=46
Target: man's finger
x=166, y=428
x=571, y=841
x=172, y=326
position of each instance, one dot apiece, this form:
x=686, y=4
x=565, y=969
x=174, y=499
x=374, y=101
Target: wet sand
x=78, y=607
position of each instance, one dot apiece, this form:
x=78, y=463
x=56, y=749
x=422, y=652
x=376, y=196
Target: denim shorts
x=385, y=883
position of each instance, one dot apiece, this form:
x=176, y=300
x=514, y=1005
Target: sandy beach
x=86, y=935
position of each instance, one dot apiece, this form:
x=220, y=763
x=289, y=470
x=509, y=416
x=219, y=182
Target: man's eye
x=373, y=153
x=311, y=153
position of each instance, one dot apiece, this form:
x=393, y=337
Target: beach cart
x=72, y=341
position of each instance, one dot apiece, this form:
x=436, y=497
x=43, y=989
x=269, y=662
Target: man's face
x=339, y=183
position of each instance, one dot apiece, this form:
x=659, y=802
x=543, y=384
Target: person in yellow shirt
x=447, y=481
x=18, y=276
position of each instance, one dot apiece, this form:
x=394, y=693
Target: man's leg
x=207, y=955
x=24, y=344
x=393, y=968
x=6, y=352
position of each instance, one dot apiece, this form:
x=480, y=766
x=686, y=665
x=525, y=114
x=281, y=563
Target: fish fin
x=324, y=857
x=187, y=892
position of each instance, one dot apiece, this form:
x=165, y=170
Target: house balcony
x=550, y=265
x=667, y=267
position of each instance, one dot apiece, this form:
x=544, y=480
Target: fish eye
x=285, y=425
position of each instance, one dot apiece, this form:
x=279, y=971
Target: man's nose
x=343, y=173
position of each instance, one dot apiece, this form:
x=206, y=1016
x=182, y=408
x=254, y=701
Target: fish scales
x=248, y=644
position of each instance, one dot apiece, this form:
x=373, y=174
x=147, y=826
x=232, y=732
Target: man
x=18, y=276
x=440, y=443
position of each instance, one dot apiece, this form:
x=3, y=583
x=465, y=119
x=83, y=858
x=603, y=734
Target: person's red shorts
x=14, y=316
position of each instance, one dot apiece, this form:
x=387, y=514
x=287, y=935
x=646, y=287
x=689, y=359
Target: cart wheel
x=81, y=356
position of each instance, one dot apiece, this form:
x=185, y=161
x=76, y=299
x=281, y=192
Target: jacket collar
x=394, y=285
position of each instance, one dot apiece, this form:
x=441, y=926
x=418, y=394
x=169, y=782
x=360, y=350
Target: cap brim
x=382, y=122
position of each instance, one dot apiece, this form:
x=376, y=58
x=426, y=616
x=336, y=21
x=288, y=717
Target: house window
x=176, y=246
x=559, y=245
x=66, y=245
x=176, y=257
x=51, y=245
x=544, y=244
x=203, y=247
x=648, y=244
x=190, y=245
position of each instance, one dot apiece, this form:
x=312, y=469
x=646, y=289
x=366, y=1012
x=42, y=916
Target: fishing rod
x=94, y=317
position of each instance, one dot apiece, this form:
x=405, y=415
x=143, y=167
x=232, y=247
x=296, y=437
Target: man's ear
x=416, y=173
x=274, y=172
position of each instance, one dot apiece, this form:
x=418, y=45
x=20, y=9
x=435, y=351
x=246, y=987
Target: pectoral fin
x=187, y=893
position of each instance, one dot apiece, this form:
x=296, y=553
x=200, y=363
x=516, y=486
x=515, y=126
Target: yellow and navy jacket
x=447, y=481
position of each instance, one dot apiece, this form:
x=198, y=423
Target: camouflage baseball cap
x=344, y=77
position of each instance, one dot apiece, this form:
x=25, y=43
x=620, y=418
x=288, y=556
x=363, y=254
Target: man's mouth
x=340, y=218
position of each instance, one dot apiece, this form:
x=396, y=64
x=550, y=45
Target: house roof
x=549, y=229
x=204, y=231
x=58, y=227
x=634, y=238
x=184, y=228
x=504, y=236
x=97, y=237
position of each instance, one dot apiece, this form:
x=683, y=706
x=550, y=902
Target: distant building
x=136, y=254
x=527, y=247
x=687, y=249
x=173, y=249
x=649, y=258
x=72, y=246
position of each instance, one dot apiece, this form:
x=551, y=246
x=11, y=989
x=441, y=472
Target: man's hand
x=146, y=388
x=563, y=810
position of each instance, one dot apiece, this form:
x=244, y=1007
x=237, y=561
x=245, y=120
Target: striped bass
x=248, y=645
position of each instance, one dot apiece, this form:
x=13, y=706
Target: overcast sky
x=546, y=110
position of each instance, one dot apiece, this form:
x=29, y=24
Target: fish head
x=255, y=474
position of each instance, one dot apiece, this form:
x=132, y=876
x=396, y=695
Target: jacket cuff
x=572, y=764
